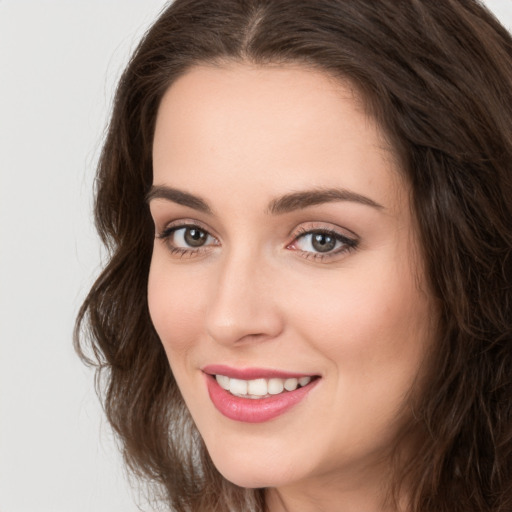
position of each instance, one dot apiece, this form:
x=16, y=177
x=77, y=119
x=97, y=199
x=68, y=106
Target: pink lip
x=250, y=373
x=250, y=410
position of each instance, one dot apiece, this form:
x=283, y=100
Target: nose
x=242, y=306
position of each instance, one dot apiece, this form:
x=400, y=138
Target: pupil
x=323, y=242
x=195, y=237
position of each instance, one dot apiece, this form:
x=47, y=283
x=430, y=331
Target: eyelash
x=167, y=233
x=348, y=244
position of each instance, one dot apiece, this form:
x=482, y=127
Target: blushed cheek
x=174, y=310
x=365, y=319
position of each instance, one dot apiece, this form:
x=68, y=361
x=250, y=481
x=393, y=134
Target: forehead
x=278, y=125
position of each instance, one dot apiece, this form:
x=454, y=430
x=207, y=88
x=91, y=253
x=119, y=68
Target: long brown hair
x=437, y=76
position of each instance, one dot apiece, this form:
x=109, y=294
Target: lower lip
x=257, y=410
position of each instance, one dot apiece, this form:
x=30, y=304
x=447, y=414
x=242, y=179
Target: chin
x=254, y=473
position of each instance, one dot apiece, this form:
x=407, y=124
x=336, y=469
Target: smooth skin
x=238, y=279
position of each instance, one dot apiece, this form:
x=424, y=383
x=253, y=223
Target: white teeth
x=258, y=388
x=304, y=381
x=290, y=384
x=223, y=381
x=275, y=386
x=238, y=387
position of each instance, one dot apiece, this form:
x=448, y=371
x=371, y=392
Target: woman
x=307, y=304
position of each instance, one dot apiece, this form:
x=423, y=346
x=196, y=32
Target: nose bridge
x=240, y=305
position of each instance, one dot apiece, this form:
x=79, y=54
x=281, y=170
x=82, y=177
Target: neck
x=337, y=493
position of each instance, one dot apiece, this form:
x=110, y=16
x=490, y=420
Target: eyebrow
x=300, y=200
x=179, y=197
x=285, y=204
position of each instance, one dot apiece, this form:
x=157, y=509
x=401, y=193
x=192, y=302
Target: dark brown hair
x=437, y=76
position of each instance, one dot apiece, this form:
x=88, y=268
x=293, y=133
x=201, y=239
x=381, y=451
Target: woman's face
x=285, y=254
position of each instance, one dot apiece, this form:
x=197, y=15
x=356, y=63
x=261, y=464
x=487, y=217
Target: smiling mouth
x=261, y=388
x=255, y=395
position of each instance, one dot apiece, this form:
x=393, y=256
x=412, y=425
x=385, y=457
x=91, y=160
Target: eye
x=187, y=239
x=320, y=243
x=191, y=236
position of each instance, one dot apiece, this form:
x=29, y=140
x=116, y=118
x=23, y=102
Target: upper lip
x=251, y=373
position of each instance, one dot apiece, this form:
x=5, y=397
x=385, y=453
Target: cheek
x=369, y=323
x=176, y=303
x=375, y=332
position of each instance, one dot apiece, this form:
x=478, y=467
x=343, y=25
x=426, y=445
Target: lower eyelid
x=327, y=256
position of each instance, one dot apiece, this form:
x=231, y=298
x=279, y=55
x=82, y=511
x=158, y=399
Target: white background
x=59, y=62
